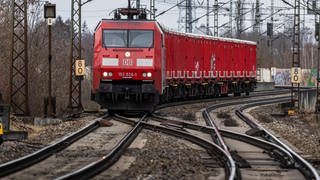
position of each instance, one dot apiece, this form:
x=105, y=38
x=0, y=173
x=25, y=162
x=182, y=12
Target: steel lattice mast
x=19, y=95
x=208, y=18
x=152, y=10
x=188, y=16
x=296, y=50
x=75, y=53
x=231, y=18
x=216, y=15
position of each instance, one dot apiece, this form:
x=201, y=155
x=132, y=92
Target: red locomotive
x=138, y=64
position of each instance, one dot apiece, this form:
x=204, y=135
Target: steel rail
x=254, y=94
x=304, y=166
x=210, y=146
x=218, y=139
x=105, y=162
x=283, y=155
x=220, y=105
x=26, y=161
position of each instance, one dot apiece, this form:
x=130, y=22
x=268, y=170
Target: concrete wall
x=264, y=86
x=308, y=100
x=282, y=77
x=265, y=75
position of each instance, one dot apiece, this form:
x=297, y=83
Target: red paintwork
x=188, y=58
x=200, y=55
x=150, y=53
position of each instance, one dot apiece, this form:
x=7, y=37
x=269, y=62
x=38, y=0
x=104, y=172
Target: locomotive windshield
x=128, y=38
x=115, y=38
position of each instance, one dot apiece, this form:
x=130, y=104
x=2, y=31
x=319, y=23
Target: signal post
x=49, y=15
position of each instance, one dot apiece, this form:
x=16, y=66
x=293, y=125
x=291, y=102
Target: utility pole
x=75, y=104
x=181, y=19
x=188, y=16
x=231, y=18
x=152, y=9
x=208, y=17
x=270, y=31
x=317, y=24
x=296, y=70
x=216, y=15
x=317, y=36
x=257, y=26
x=19, y=93
x=239, y=18
x=49, y=15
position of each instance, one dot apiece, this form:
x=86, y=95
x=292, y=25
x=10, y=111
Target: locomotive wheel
x=139, y=98
x=114, y=98
x=165, y=96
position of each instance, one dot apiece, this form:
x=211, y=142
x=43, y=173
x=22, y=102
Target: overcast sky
x=94, y=11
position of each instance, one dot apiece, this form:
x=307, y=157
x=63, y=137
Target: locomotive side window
x=115, y=38
x=140, y=38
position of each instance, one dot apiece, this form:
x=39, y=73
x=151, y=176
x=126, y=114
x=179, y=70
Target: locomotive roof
x=186, y=34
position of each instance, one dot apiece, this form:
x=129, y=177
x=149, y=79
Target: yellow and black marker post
x=1, y=129
x=1, y=133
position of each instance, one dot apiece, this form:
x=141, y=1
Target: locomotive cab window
x=140, y=38
x=115, y=38
x=128, y=38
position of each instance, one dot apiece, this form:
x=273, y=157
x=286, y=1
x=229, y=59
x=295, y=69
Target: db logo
x=127, y=54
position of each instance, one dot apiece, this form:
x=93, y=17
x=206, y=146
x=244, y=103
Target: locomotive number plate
x=127, y=74
x=127, y=62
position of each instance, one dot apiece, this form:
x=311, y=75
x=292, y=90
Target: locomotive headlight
x=110, y=74
x=149, y=74
x=144, y=74
x=105, y=74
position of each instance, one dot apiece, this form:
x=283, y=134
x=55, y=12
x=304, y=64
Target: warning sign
x=80, y=67
x=296, y=75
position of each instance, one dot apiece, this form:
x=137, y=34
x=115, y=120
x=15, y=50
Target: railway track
x=26, y=161
x=69, y=154
x=106, y=161
x=240, y=155
x=300, y=163
x=215, y=153
x=248, y=154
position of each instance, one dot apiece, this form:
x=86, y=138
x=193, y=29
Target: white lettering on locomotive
x=127, y=74
x=127, y=62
